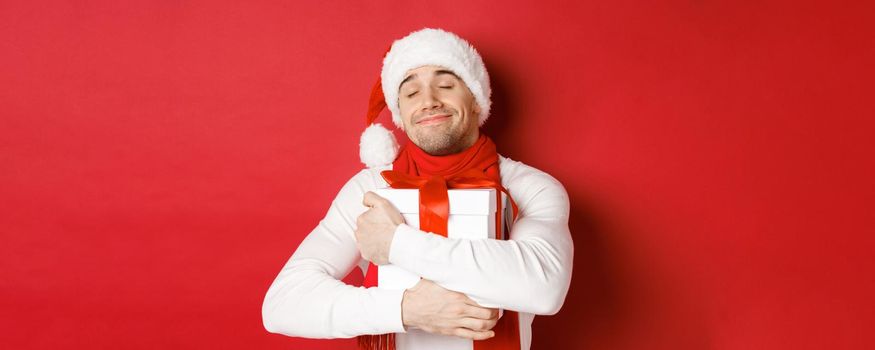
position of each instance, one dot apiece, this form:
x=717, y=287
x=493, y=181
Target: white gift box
x=472, y=216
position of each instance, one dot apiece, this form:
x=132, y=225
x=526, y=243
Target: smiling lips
x=433, y=119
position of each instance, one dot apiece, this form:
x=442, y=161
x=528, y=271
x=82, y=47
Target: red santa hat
x=427, y=46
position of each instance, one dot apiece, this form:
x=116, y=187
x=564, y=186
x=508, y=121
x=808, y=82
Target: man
x=437, y=88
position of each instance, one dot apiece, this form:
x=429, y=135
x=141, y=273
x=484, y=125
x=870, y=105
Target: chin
x=441, y=147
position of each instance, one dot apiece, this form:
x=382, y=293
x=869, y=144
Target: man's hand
x=376, y=227
x=434, y=309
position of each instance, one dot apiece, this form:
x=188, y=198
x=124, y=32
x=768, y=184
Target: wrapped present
x=471, y=216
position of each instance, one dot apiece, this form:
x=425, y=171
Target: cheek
x=405, y=110
x=453, y=100
x=468, y=102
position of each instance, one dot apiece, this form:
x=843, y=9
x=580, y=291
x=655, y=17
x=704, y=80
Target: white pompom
x=378, y=146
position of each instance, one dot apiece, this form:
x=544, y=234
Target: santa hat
x=423, y=47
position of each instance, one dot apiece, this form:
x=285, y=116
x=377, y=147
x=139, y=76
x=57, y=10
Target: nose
x=430, y=99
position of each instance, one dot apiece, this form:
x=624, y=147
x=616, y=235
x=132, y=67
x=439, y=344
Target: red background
x=162, y=160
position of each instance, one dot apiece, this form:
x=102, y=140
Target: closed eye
x=411, y=94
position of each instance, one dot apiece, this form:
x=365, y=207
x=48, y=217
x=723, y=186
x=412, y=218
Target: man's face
x=438, y=111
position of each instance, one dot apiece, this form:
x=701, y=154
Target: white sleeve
x=530, y=272
x=307, y=298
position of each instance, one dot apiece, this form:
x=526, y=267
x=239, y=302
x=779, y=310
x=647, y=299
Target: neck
x=480, y=155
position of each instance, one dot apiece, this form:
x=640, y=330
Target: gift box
x=472, y=216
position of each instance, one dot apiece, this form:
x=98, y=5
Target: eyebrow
x=436, y=73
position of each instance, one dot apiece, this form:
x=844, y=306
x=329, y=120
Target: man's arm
x=307, y=299
x=530, y=273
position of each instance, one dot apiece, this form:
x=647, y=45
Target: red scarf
x=475, y=167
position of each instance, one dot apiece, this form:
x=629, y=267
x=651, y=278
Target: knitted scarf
x=481, y=159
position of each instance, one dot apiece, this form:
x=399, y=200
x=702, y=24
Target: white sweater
x=530, y=273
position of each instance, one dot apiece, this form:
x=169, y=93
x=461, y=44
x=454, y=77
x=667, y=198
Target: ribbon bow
x=434, y=202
